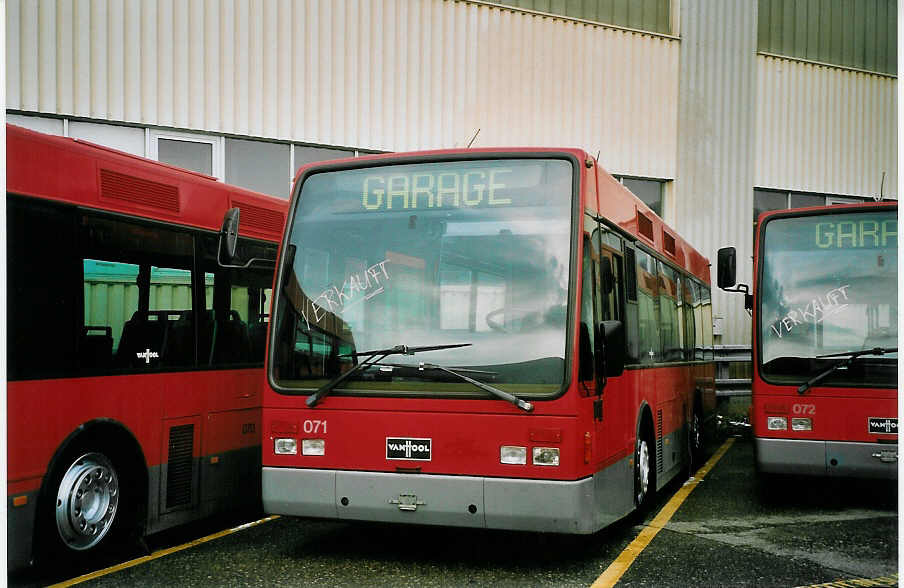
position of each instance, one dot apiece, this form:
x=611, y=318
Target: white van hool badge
x=407, y=448
x=883, y=425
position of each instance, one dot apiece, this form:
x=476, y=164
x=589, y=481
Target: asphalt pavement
x=731, y=530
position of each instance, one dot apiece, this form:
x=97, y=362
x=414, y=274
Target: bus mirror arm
x=228, y=243
x=745, y=290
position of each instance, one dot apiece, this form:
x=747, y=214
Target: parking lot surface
x=731, y=530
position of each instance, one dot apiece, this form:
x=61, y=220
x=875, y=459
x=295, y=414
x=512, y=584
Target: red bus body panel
x=839, y=415
x=44, y=415
x=467, y=435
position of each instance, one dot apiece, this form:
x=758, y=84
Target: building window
x=765, y=200
x=195, y=152
x=304, y=155
x=50, y=126
x=128, y=139
x=259, y=165
x=650, y=191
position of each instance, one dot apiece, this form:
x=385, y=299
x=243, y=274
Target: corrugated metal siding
x=714, y=190
x=860, y=34
x=372, y=74
x=647, y=15
x=826, y=130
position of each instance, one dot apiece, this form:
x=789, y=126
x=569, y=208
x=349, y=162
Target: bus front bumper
x=461, y=501
x=832, y=458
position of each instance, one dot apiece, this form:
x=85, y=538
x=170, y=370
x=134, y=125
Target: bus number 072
x=804, y=409
x=314, y=427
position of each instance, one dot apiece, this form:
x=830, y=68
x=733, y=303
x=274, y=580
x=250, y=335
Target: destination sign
x=439, y=186
x=856, y=234
x=437, y=189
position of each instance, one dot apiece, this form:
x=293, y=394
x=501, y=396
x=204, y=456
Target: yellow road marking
x=891, y=580
x=160, y=553
x=621, y=564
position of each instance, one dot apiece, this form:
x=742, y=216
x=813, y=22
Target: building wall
x=706, y=112
x=825, y=129
x=716, y=138
x=369, y=74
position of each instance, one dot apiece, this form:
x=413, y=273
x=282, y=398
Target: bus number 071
x=314, y=427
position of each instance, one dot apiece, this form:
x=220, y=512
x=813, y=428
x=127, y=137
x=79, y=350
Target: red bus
x=498, y=338
x=134, y=360
x=825, y=337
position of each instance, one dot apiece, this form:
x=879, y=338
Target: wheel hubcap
x=697, y=435
x=87, y=500
x=643, y=471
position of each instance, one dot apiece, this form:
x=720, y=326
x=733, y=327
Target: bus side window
x=236, y=303
x=587, y=334
x=690, y=323
x=648, y=308
x=137, y=296
x=42, y=298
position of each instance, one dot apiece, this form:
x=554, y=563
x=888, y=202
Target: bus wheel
x=643, y=473
x=86, y=499
x=695, y=440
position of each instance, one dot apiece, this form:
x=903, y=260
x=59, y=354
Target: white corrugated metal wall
x=401, y=74
x=714, y=187
x=825, y=129
x=371, y=74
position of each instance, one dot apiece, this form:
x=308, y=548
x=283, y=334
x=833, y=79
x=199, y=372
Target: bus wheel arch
x=644, y=458
x=96, y=487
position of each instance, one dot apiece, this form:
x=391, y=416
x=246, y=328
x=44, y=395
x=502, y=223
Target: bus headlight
x=801, y=424
x=285, y=446
x=777, y=423
x=546, y=456
x=313, y=447
x=513, y=454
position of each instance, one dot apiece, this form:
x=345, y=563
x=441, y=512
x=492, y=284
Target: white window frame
x=217, y=143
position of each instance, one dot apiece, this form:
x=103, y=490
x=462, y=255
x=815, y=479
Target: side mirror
x=229, y=233
x=613, y=335
x=726, y=267
x=228, y=244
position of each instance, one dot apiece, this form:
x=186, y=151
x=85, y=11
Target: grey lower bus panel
x=581, y=506
x=827, y=458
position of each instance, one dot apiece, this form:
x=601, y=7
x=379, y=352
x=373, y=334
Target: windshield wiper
x=848, y=358
x=318, y=394
x=502, y=394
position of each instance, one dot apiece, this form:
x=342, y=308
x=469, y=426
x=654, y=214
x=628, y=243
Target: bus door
x=611, y=309
x=591, y=383
x=600, y=301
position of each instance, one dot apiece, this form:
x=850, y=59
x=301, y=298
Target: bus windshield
x=829, y=286
x=468, y=252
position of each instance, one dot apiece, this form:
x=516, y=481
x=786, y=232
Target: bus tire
x=695, y=440
x=84, y=509
x=644, y=471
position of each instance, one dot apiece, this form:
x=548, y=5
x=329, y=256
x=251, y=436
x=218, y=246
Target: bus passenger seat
x=231, y=341
x=180, y=342
x=258, y=334
x=143, y=339
x=96, y=349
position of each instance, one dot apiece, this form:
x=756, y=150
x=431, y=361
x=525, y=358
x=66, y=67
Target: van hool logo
x=883, y=425
x=403, y=448
x=147, y=355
